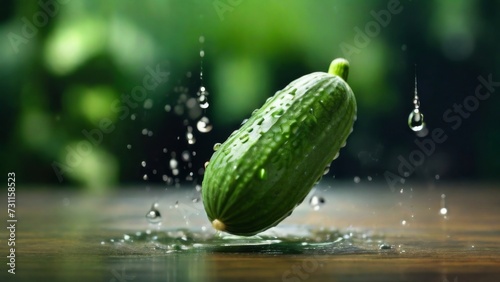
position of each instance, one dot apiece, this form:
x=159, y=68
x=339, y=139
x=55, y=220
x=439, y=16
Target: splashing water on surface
x=282, y=240
x=153, y=215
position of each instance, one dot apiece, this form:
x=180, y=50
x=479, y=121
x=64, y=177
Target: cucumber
x=266, y=168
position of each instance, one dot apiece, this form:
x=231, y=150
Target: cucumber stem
x=339, y=67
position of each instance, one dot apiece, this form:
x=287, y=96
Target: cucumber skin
x=267, y=167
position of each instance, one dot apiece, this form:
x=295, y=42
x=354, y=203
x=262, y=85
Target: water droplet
x=369, y=178
x=416, y=118
x=357, y=179
x=190, y=137
x=203, y=102
x=144, y=131
x=326, y=170
x=186, y=156
x=165, y=150
x=336, y=156
x=129, y=146
x=148, y=104
x=443, y=211
x=126, y=237
x=385, y=247
x=202, y=53
x=403, y=222
x=263, y=174
x=437, y=177
x=153, y=215
x=145, y=177
x=143, y=163
x=173, y=163
x=316, y=202
x=205, y=165
x=244, y=121
x=132, y=116
x=217, y=146
x=204, y=125
x=201, y=39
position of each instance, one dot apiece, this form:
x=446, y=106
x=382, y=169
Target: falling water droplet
x=204, y=125
x=145, y=177
x=173, y=163
x=443, y=211
x=416, y=118
x=316, y=202
x=148, y=104
x=153, y=215
x=186, y=156
x=357, y=179
x=203, y=100
x=403, y=222
x=129, y=146
x=143, y=163
x=190, y=138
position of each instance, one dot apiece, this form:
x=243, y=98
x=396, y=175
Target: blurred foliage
x=66, y=66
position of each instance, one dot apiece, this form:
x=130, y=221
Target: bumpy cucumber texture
x=266, y=168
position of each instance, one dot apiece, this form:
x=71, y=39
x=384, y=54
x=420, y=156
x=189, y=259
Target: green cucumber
x=265, y=169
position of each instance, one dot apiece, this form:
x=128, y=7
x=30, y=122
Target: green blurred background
x=66, y=64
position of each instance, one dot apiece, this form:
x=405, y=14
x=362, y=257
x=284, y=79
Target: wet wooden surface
x=59, y=235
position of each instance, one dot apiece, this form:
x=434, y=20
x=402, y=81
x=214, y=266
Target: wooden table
x=66, y=236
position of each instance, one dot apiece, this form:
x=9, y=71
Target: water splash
x=285, y=240
x=316, y=202
x=153, y=215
